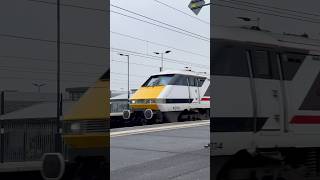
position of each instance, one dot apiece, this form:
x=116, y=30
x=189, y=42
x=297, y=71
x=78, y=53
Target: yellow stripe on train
x=144, y=106
x=94, y=104
x=148, y=92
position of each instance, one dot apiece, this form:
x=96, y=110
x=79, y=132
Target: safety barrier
x=27, y=139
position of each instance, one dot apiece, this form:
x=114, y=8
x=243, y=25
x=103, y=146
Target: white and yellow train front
x=171, y=96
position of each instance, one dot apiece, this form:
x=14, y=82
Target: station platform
x=159, y=152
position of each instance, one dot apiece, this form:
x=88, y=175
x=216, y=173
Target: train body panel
x=266, y=98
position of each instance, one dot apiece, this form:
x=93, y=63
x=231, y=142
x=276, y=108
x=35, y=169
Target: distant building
x=14, y=100
x=133, y=90
x=39, y=111
x=118, y=92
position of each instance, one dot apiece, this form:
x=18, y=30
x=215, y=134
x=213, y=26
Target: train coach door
x=194, y=89
x=266, y=90
x=200, y=82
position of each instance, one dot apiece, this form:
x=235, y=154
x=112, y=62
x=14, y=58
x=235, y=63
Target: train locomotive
x=84, y=137
x=170, y=96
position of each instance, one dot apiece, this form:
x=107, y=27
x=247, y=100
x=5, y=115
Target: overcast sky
x=273, y=20
x=28, y=48
x=157, y=11
x=83, y=65
x=270, y=18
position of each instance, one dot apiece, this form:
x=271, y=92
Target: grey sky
x=221, y=16
x=272, y=23
x=30, y=19
x=149, y=32
x=24, y=61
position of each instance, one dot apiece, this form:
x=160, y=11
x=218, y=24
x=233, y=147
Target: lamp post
x=128, y=57
x=166, y=52
x=196, y=5
x=39, y=85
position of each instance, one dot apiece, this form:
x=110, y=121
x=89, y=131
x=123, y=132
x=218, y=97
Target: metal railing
x=118, y=106
x=28, y=126
x=27, y=139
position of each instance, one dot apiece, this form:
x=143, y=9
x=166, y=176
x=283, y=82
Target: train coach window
x=180, y=80
x=261, y=64
x=229, y=60
x=274, y=65
x=192, y=81
x=290, y=64
x=201, y=81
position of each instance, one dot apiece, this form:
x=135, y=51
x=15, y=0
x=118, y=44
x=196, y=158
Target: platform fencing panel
x=27, y=139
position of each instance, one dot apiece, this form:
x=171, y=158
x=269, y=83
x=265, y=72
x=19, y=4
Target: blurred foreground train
x=265, y=119
x=170, y=96
x=85, y=133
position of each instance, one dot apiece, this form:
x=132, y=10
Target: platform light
x=166, y=52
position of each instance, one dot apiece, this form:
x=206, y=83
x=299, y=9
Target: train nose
x=126, y=114
x=148, y=114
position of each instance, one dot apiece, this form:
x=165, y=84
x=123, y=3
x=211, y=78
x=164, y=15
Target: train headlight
x=85, y=126
x=75, y=127
x=137, y=101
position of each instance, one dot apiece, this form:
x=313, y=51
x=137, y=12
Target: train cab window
x=261, y=64
x=290, y=64
x=158, y=80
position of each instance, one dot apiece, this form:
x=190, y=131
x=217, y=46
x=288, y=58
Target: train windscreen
x=158, y=80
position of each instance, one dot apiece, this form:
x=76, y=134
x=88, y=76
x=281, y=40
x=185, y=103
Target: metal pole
x=2, y=111
x=57, y=139
x=128, y=81
x=2, y=103
x=161, y=62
